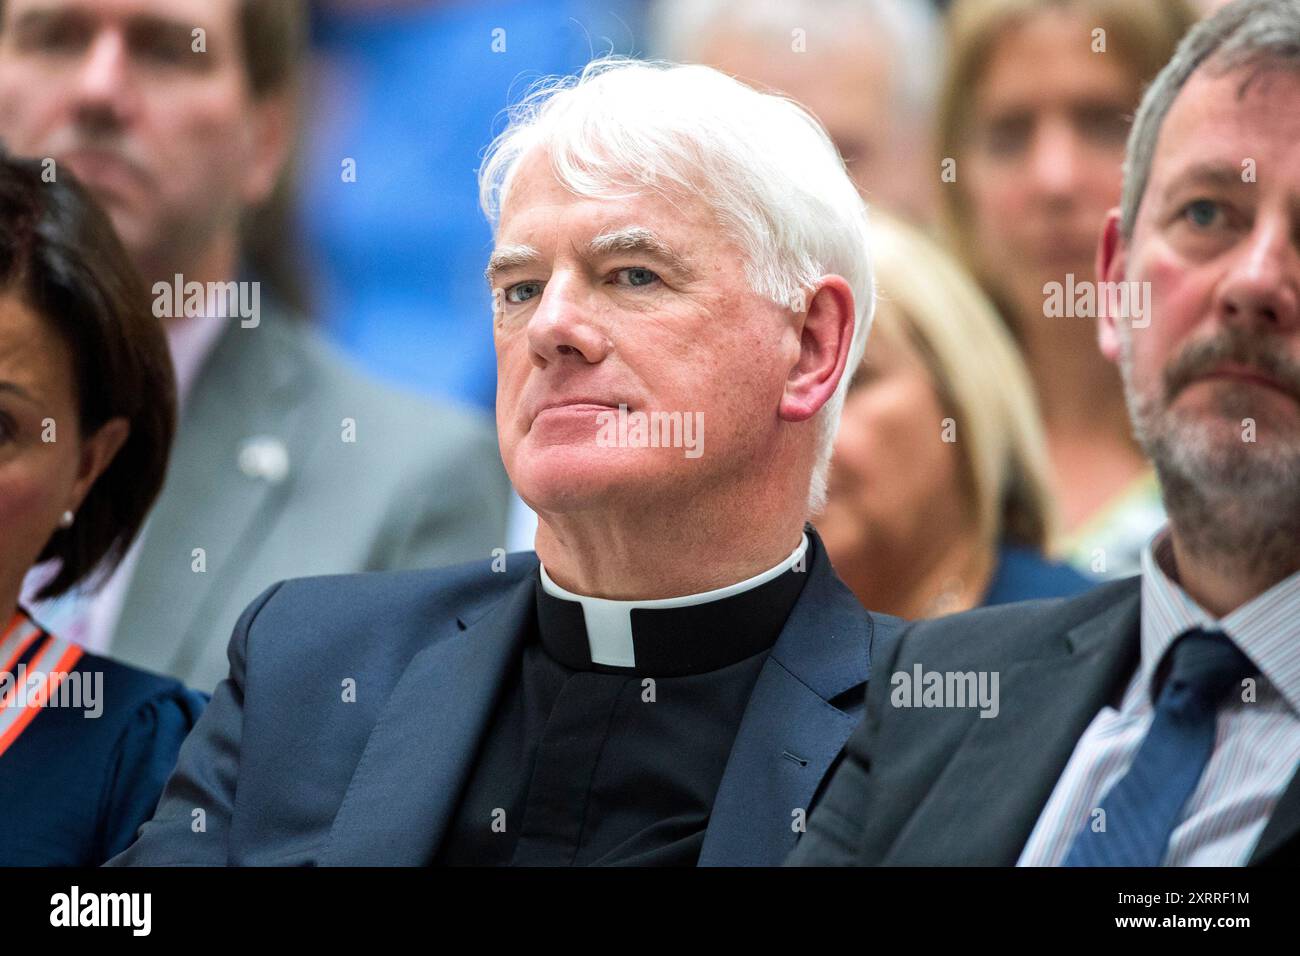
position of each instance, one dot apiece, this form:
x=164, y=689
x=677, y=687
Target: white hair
x=764, y=165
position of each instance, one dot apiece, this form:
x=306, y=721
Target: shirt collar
x=1266, y=628
x=670, y=636
x=191, y=340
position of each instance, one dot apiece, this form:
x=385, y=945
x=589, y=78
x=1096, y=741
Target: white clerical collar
x=609, y=623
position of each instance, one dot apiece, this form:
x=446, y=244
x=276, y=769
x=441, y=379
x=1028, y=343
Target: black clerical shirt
x=586, y=764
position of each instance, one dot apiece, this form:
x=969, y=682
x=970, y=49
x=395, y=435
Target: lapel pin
x=264, y=457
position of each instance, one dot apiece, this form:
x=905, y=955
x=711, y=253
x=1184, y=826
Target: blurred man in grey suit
x=179, y=117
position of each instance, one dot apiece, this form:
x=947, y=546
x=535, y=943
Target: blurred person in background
x=939, y=499
x=1034, y=112
x=1154, y=721
x=178, y=115
x=407, y=93
x=866, y=68
x=87, y=411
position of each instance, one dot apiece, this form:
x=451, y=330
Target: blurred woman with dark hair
x=87, y=411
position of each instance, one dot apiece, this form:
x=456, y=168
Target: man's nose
x=563, y=327
x=102, y=87
x=1262, y=285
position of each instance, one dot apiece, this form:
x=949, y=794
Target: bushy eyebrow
x=139, y=26
x=1214, y=175
x=509, y=257
x=632, y=239
x=43, y=16
x=642, y=240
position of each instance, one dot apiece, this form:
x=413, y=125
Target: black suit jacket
x=356, y=704
x=944, y=786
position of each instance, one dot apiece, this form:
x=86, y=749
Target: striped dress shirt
x=1256, y=744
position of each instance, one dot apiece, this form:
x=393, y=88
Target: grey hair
x=1245, y=33
x=910, y=30
x=762, y=163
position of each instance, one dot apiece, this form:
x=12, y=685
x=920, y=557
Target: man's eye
x=55, y=37
x=1202, y=213
x=1103, y=125
x=635, y=276
x=523, y=291
x=1008, y=136
x=166, y=50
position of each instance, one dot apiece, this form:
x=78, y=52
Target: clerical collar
x=670, y=637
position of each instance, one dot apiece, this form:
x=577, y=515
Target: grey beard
x=1236, y=508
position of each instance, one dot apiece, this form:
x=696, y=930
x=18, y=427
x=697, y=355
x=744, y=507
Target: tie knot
x=1205, y=665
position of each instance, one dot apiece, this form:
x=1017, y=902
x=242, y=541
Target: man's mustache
x=1263, y=354
x=67, y=142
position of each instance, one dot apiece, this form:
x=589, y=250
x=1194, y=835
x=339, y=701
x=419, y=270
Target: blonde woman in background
x=1034, y=111
x=939, y=499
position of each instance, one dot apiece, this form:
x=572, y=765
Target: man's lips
x=106, y=168
x=577, y=406
x=1244, y=373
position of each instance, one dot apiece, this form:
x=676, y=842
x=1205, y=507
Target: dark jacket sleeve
x=192, y=822
x=835, y=825
x=142, y=761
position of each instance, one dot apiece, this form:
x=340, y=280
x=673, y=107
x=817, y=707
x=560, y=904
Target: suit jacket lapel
x=421, y=749
x=1282, y=831
x=790, y=735
x=1005, y=768
x=248, y=388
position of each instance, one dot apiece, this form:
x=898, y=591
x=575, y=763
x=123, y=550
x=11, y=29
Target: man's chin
x=568, y=480
x=129, y=226
x=1226, y=453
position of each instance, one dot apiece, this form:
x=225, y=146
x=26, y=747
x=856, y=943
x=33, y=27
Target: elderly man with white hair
x=672, y=675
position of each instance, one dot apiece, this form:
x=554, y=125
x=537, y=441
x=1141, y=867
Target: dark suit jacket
x=943, y=786
x=287, y=771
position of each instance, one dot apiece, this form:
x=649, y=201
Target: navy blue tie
x=1144, y=805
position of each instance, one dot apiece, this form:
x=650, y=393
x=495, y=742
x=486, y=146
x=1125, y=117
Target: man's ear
x=1112, y=260
x=824, y=343
x=97, y=453
x=270, y=139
